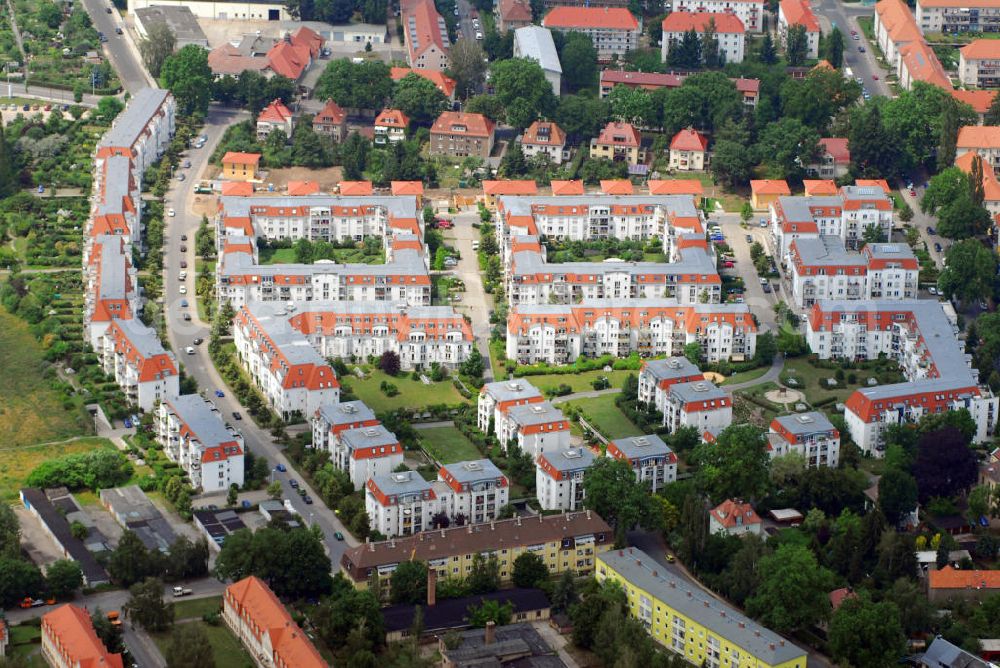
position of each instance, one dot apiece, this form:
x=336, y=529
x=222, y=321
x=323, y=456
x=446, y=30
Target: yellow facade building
x=566, y=542
x=238, y=166
x=686, y=620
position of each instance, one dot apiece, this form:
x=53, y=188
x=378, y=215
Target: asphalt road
x=199, y=365
x=760, y=303
x=835, y=13
x=466, y=29
x=120, y=50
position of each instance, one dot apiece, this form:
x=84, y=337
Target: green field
x=448, y=445
x=605, y=416
x=30, y=410
x=579, y=382
x=341, y=255
x=745, y=376
x=412, y=393
x=16, y=463
x=196, y=607
x=810, y=377
x=228, y=651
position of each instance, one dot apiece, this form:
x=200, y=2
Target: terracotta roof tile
x=75, y=638
x=462, y=123
x=950, y=578
x=241, y=158
x=727, y=512
x=837, y=148
x=615, y=18
x=698, y=21
x=770, y=187
x=689, y=140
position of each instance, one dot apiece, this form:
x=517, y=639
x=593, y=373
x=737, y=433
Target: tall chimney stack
x=432, y=577
x=490, y=636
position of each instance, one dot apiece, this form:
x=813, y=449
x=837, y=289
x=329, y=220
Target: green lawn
x=25, y=644
x=31, y=411
x=580, y=382
x=228, y=651
x=810, y=377
x=196, y=607
x=448, y=445
x=604, y=414
x=412, y=393
x=744, y=376
x=277, y=255
x=342, y=255
x=17, y=463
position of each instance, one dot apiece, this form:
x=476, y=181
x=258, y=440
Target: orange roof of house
x=950, y=578
x=331, y=113
x=838, y=596
x=798, y=12
x=770, y=187
x=392, y=118
x=898, y=21
x=463, y=123
x=620, y=134
x=237, y=189
x=823, y=64
x=614, y=18
x=979, y=49
x=991, y=187
x=837, y=148
x=881, y=183
x=288, y=59
x=676, y=187
x=444, y=83
x=309, y=38
x=407, y=188
x=698, y=21
x=978, y=136
x=356, y=188
x=923, y=64
x=425, y=28
x=237, y=158
x=819, y=187
x=617, y=187
x=302, y=188
x=564, y=188
x=689, y=140
x=288, y=642
x=75, y=638
x=544, y=132
x=510, y=187
x=726, y=513
x=979, y=100
x=515, y=10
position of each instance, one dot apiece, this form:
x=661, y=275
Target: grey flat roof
x=346, y=412
x=402, y=207
x=129, y=502
x=132, y=121
x=885, y=251
x=203, y=418
x=688, y=599
x=114, y=268
x=179, y=19
x=700, y=390
x=117, y=171
x=573, y=459
x=672, y=367
x=651, y=303
x=536, y=43
x=401, y=483
x=58, y=525
x=806, y=423
x=864, y=192
x=826, y=249
x=508, y=390
x=473, y=470
x=639, y=447
x=368, y=437
x=799, y=209
x=540, y=413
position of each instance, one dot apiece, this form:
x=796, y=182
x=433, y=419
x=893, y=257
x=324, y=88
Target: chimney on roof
x=432, y=576
x=490, y=635
x=588, y=514
x=493, y=526
x=771, y=646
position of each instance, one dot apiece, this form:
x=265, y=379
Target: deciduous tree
x=146, y=606
x=613, y=492
x=796, y=46
x=409, y=582
x=945, y=464
x=419, y=99
x=969, y=271
x=467, y=67
x=521, y=86
x=365, y=85
x=189, y=647
x=736, y=465
x=792, y=594
x=157, y=47
x=188, y=76
x=579, y=62
x=63, y=577
x=864, y=634
x=529, y=570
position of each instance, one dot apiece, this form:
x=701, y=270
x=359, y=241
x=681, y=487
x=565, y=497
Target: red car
x=728, y=265
x=444, y=224
x=875, y=77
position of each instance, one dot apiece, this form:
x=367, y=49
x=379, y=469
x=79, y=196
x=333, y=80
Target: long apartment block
x=750, y=12
x=954, y=16
x=194, y=434
x=131, y=353
x=568, y=542
x=921, y=338
x=111, y=289
x=358, y=442
x=559, y=334
x=846, y=215
x=822, y=268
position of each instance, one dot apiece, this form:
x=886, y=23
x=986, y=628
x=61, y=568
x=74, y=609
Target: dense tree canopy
x=864, y=634
x=365, y=85
x=945, y=464
x=736, y=465
x=970, y=269
x=793, y=591
x=188, y=76
x=520, y=85
x=292, y=562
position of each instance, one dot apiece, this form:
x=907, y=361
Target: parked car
x=293, y=483
x=763, y=222
x=767, y=288
x=182, y=591
x=220, y=393
x=198, y=341
x=749, y=238
x=186, y=317
x=338, y=535
x=861, y=49
x=931, y=230
x=184, y=249
x=937, y=247
x=237, y=416
x=932, y=290
x=308, y=499
x=184, y=303
x=728, y=265
x=118, y=30
x=184, y=264
x=183, y=290
x=171, y=213
x=189, y=350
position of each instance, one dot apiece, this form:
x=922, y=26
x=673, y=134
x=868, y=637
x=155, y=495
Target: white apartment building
x=291, y=375
x=132, y=354
x=846, y=215
x=402, y=503
x=799, y=13
x=920, y=337
x=749, y=12
x=949, y=16
x=979, y=64
x=536, y=427
x=810, y=435
x=365, y=453
x=657, y=376
x=333, y=418
x=729, y=32
x=559, y=478
x=390, y=126
x=110, y=292
x=699, y=404
x=142, y=131
x=653, y=327
x=654, y=463
x=614, y=31
x=497, y=397
x=984, y=140
x=479, y=490
x=194, y=434
x=895, y=28
x=821, y=268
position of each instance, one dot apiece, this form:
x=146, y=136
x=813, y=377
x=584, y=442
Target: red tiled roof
x=237, y=189
x=881, y=183
x=392, y=118
x=798, y=12
x=816, y=187
x=620, y=134
x=617, y=187
x=837, y=148
x=276, y=112
x=979, y=100
x=356, y=188
x=981, y=49
x=227, y=59
x=614, y=18
x=898, y=21
x=257, y=604
x=241, y=158
x=770, y=187
x=698, y=21
x=554, y=137
x=75, y=639
x=510, y=187
x=726, y=513
x=923, y=65
x=565, y=188
x=444, y=83
x=288, y=59
x=689, y=140
x=302, y=188
x=676, y=187
x=407, y=188
x=475, y=125
x=515, y=10
x=978, y=136
x=950, y=578
x=331, y=114
x=425, y=17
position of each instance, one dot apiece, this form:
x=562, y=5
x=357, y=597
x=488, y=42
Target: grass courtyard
x=603, y=414
x=17, y=462
x=448, y=445
x=412, y=393
x=227, y=650
x=31, y=411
